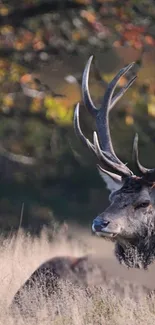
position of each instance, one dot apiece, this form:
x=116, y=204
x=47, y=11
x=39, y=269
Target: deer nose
x=99, y=224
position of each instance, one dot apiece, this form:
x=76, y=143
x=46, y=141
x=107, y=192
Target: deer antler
x=102, y=144
x=146, y=172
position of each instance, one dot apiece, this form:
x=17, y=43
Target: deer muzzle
x=101, y=227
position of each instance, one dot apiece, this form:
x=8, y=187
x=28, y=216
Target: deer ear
x=113, y=181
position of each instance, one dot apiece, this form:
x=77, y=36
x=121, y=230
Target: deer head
x=130, y=217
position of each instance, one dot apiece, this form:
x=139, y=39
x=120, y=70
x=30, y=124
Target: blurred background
x=47, y=177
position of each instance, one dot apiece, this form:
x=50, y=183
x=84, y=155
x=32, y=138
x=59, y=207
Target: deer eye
x=142, y=205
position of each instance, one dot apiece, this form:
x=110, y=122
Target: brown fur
x=85, y=272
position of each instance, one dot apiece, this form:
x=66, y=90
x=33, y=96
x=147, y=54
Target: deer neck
x=136, y=253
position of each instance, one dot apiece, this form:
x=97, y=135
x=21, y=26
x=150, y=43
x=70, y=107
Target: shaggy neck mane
x=138, y=253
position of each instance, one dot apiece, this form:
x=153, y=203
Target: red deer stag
x=130, y=218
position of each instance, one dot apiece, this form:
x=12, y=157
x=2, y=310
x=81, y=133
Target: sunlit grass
x=18, y=259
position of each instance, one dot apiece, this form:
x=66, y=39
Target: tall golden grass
x=21, y=255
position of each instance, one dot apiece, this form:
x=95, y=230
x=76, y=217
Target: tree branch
x=21, y=159
x=16, y=17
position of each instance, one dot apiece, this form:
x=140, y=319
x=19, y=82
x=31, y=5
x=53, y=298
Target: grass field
x=20, y=256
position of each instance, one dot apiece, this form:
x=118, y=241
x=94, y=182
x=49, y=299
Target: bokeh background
x=47, y=177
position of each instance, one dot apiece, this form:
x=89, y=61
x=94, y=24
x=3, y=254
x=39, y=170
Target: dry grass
x=19, y=258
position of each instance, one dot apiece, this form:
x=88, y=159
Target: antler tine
x=102, y=113
x=78, y=130
x=115, y=177
x=147, y=173
x=118, y=96
x=121, y=168
x=142, y=169
x=102, y=117
x=85, y=89
x=86, y=94
x=95, y=149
